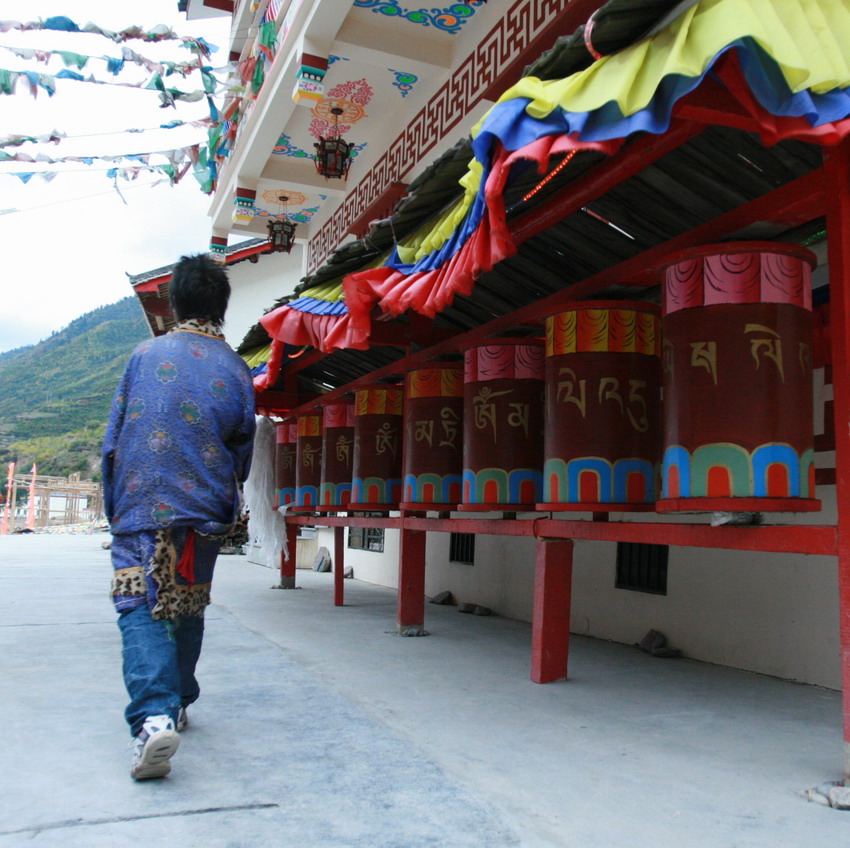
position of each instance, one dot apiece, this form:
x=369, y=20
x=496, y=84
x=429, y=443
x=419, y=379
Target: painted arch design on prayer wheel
x=602, y=443
x=737, y=377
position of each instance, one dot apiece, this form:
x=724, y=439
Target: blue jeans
x=159, y=664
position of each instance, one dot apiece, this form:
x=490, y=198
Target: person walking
x=176, y=452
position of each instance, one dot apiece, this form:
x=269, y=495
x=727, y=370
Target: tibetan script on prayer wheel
x=308, y=460
x=376, y=471
x=433, y=446
x=602, y=445
x=737, y=374
x=286, y=434
x=503, y=424
x=337, y=454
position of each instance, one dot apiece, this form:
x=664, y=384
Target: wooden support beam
x=411, y=583
x=287, y=563
x=632, y=158
x=550, y=625
x=339, y=566
x=813, y=539
x=713, y=104
x=837, y=185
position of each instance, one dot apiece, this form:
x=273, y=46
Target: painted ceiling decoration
x=448, y=19
x=285, y=147
x=352, y=97
x=302, y=216
x=293, y=198
x=404, y=82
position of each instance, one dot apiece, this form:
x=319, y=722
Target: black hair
x=199, y=289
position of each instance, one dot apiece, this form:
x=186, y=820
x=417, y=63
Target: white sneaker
x=154, y=747
x=182, y=720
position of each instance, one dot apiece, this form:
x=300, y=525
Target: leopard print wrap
x=174, y=599
x=129, y=582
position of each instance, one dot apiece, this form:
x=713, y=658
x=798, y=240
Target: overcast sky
x=68, y=244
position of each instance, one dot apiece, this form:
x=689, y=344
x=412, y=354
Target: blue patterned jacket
x=180, y=434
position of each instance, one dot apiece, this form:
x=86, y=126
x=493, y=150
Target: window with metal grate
x=366, y=538
x=642, y=568
x=462, y=548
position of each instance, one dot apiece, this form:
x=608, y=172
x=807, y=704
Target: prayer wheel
x=503, y=424
x=602, y=445
x=376, y=470
x=308, y=460
x=737, y=363
x=286, y=434
x=337, y=454
x=433, y=444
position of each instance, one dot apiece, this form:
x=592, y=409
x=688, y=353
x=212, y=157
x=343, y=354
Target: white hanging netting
x=266, y=529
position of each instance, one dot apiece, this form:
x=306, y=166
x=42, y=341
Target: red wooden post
x=411, y=583
x=550, y=628
x=837, y=181
x=287, y=564
x=339, y=566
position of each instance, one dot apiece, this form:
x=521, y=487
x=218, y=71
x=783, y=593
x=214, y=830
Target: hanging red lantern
x=281, y=231
x=333, y=155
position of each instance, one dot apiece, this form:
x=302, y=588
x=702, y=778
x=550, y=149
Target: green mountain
x=55, y=395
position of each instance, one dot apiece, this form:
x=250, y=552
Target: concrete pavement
x=319, y=728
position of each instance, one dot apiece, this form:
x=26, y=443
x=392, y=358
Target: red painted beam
x=283, y=401
x=411, y=583
x=387, y=523
x=550, y=623
x=339, y=566
x=153, y=285
x=821, y=540
x=632, y=158
x=713, y=104
x=287, y=563
x=223, y=5
x=801, y=539
x=837, y=184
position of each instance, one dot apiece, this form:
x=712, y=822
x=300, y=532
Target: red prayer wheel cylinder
x=602, y=445
x=503, y=424
x=376, y=469
x=433, y=441
x=337, y=453
x=737, y=363
x=286, y=434
x=308, y=460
